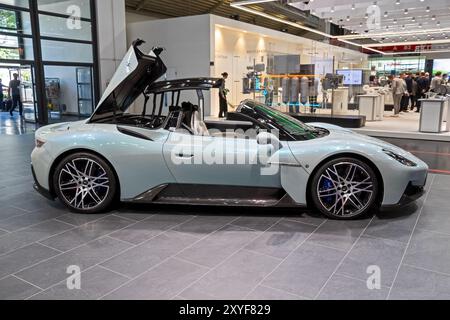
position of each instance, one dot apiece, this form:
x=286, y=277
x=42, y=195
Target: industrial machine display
x=163, y=151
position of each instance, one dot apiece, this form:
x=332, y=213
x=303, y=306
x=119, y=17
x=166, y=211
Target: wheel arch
x=79, y=150
x=347, y=155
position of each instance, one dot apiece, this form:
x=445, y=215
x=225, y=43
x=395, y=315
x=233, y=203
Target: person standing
x=423, y=86
x=436, y=82
x=223, y=97
x=399, y=90
x=14, y=93
x=413, y=93
x=406, y=97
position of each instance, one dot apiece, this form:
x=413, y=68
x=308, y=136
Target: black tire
x=92, y=195
x=336, y=192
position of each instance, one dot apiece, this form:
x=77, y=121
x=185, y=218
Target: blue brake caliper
x=325, y=186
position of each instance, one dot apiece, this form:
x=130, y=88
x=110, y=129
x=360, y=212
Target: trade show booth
x=308, y=79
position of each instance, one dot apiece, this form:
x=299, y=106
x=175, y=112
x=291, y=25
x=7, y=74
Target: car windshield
x=292, y=126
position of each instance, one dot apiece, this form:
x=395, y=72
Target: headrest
x=187, y=106
x=174, y=109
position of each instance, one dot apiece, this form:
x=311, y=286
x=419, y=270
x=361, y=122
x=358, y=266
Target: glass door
x=27, y=90
x=85, y=92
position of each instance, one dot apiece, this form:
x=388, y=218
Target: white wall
x=132, y=17
x=187, y=46
x=111, y=37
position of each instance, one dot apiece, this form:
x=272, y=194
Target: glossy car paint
x=143, y=164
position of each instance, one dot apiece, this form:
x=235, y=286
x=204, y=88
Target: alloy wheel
x=84, y=183
x=345, y=189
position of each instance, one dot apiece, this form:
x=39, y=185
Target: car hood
x=344, y=134
x=135, y=73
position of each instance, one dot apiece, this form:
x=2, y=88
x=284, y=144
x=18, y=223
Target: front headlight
x=39, y=143
x=400, y=158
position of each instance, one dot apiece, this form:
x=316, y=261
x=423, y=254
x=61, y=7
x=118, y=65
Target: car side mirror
x=267, y=138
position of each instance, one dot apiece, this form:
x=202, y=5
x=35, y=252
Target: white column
x=112, y=44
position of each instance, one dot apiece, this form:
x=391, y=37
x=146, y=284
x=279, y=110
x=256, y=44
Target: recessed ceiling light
x=366, y=16
x=353, y=7
x=348, y=18
x=406, y=11
x=433, y=17
x=386, y=14
x=428, y=9
x=395, y=21
x=413, y=19
x=332, y=9
x=397, y=2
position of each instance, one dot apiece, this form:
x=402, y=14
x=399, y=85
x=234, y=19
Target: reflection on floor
x=435, y=153
x=17, y=126
x=14, y=125
x=150, y=252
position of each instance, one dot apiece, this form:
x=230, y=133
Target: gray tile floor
x=147, y=252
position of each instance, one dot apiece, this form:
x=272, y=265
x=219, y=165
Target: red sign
x=402, y=48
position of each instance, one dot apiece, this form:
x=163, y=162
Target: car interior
x=185, y=117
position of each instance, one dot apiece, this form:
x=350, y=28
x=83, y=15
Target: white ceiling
x=408, y=21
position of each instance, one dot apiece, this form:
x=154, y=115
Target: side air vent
x=132, y=133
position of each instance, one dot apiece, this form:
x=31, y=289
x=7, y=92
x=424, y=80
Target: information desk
x=433, y=115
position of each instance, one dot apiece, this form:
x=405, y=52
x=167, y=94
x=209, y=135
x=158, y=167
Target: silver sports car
x=163, y=151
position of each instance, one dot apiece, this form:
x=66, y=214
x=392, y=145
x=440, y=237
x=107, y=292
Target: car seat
x=198, y=126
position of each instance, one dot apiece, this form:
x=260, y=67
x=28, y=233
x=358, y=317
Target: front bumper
x=412, y=193
x=44, y=192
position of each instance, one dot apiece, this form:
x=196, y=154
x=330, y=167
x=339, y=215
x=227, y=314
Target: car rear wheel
x=85, y=183
x=345, y=188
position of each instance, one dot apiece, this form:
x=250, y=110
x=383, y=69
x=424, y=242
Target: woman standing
x=223, y=97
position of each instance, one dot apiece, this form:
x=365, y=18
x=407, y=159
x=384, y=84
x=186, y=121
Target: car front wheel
x=85, y=183
x=345, y=188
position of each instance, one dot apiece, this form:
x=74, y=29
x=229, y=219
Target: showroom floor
x=146, y=252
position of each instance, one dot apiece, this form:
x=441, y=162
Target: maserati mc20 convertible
x=161, y=150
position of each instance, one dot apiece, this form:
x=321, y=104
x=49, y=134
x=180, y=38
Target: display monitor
x=351, y=77
x=442, y=65
x=286, y=64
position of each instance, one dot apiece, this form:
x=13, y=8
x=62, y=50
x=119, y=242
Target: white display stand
x=433, y=114
x=389, y=98
x=340, y=101
x=371, y=106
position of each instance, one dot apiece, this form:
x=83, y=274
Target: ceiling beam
x=215, y=6
x=140, y=5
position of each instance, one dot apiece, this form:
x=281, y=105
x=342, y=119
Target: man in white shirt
x=399, y=90
x=436, y=81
